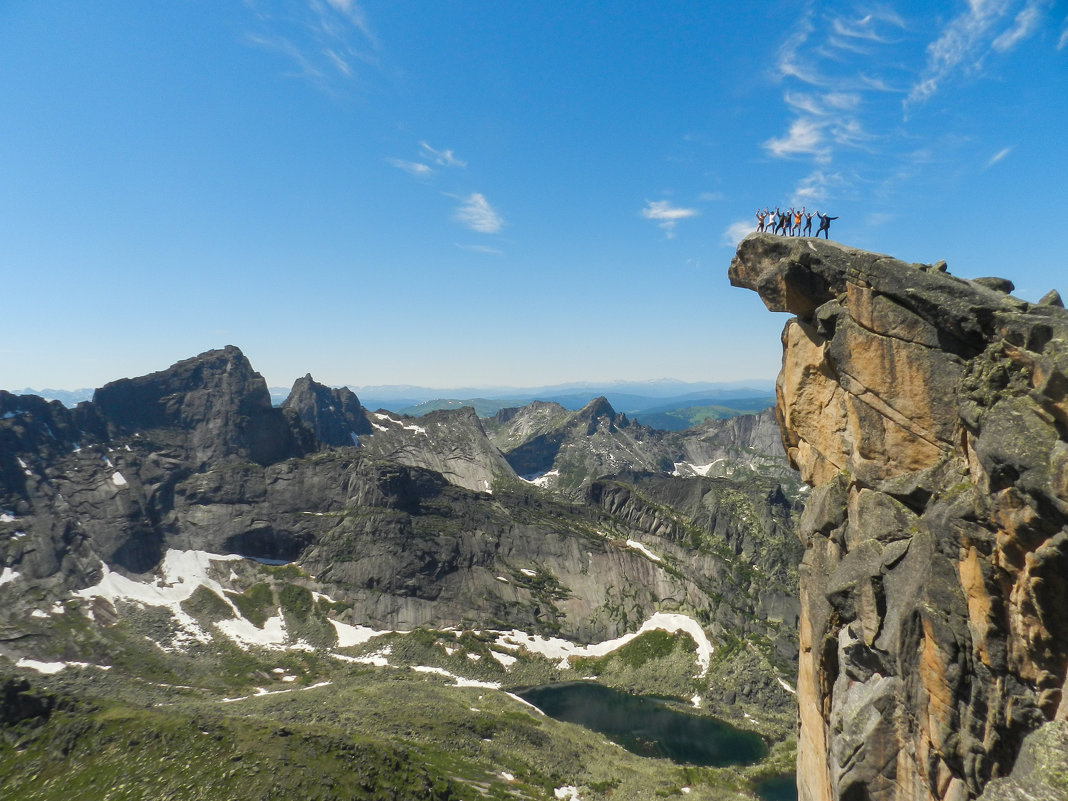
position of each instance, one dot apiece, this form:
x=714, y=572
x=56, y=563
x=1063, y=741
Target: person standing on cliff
x=808, y=223
x=784, y=221
x=825, y=225
x=761, y=216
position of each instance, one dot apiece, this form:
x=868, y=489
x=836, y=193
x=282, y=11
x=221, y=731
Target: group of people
x=788, y=223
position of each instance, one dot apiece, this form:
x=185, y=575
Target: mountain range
x=181, y=540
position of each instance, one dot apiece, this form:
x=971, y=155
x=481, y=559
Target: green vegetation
x=367, y=734
x=256, y=603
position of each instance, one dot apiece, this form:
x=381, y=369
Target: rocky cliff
x=930, y=415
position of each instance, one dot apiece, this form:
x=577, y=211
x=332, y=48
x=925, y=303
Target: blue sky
x=485, y=193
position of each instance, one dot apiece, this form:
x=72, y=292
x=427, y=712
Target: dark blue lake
x=778, y=788
x=648, y=726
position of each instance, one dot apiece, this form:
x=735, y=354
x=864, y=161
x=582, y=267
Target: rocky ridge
x=552, y=447
x=930, y=415
x=417, y=523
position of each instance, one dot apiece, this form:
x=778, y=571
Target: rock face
x=449, y=441
x=211, y=407
x=930, y=415
x=334, y=415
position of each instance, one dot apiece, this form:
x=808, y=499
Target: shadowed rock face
x=333, y=414
x=930, y=414
x=210, y=407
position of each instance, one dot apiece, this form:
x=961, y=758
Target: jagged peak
x=598, y=407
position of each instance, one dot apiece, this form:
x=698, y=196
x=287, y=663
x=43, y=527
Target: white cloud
x=1025, y=24
x=841, y=100
x=476, y=213
x=998, y=157
x=443, y=158
x=863, y=28
x=416, y=168
x=323, y=39
x=352, y=12
x=736, y=232
x=966, y=39
x=814, y=188
x=666, y=215
x=341, y=64
x=790, y=64
x=804, y=138
x=1062, y=42
x=803, y=102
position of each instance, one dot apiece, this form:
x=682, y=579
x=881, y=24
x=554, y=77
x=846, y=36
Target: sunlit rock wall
x=930, y=415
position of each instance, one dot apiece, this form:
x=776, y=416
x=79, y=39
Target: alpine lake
x=652, y=727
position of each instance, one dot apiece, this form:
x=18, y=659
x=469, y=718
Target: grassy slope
x=370, y=733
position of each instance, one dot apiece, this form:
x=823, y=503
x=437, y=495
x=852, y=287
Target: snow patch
x=55, y=667
x=460, y=681
x=696, y=701
x=695, y=469
x=786, y=686
x=567, y=793
x=246, y=635
x=6, y=516
x=507, y=660
x=41, y=667
x=502, y=578
x=527, y=572
x=541, y=479
x=637, y=546
x=39, y=613
x=118, y=479
x=8, y=575
x=260, y=691
x=348, y=636
x=182, y=572
x=556, y=648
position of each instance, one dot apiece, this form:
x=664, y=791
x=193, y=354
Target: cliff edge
x=930, y=415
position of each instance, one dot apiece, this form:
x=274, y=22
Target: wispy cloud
x=851, y=74
x=666, y=215
x=1025, y=24
x=997, y=157
x=805, y=138
x=815, y=188
x=324, y=40
x=481, y=249
x=477, y=214
x=967, y=38
x=416, y=168
x=736, y=232
x=443, y=158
